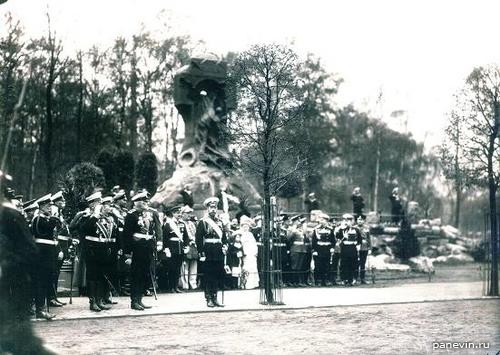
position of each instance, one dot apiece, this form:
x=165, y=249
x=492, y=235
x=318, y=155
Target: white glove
x=315, y=253
x=168, y=254
x=60, y=256
x=224, y=249
x=159, y=246
x=203, y=258
x=332, y=250
x=128, y=261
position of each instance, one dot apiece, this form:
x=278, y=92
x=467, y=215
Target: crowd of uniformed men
x=110, y=245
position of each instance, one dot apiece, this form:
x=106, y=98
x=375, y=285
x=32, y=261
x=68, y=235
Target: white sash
x=175, y=228
x=214, y=226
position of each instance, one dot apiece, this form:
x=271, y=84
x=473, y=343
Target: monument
x=205, y=166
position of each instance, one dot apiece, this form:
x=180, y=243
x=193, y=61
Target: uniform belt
x=62, y=237
x=46, y=241
x=260, y=244
x=111, y=240
x=143, y=236
x=279, y=244
x=324, y=243
x=346, y=242
x=120, y=229
x=212, y=240
x=175, y=239
x=298, y=243
x=95, y=239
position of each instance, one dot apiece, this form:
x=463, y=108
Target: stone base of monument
x=205, y=181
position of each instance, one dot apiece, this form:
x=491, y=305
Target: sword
x=71, y=281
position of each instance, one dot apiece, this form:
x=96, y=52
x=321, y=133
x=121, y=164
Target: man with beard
x=175, y=238
x=138, y=238
x=96, y=230
x=64, y=241
x=211, y=240
x=43, y=227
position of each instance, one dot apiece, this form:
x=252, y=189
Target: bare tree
x=479, y=164
x=270, y=100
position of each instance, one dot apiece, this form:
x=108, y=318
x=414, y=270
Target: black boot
x=42, y=314
x=215, y=302
x=142, y=304
x=100, y=297
x=136, y=305
x=93, y=305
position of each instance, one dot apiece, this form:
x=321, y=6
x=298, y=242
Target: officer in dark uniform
x=96, y=230
x=64, y=241
x=175, y=237
x=323, y=242
x=280, y=243
x=113, y=217
x=349, y=237
x=138, y=237
x=43, y=229
x=123, y=271
x=211, y=239
x=17, y=252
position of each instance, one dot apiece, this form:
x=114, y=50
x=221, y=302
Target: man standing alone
x=211, y=239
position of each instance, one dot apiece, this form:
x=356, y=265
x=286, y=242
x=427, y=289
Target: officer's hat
x=44, y=200
x=140, y=196
x=174, y=209
x=106, y=199
x=246, y=220
x=120, y=195
x=211, y=201
x=95, y=196
x=57, y=196
x=186, y=209
x=30, y=205
x=115, y=189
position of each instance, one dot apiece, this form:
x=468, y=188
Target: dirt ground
x=382, y=329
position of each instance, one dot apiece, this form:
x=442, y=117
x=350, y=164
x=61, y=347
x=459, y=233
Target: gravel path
x=380, y=329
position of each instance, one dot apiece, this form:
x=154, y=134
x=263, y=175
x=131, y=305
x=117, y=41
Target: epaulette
x=7, y=204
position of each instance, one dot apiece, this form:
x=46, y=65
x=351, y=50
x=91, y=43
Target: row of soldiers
x=332, y=246
x=106, y=231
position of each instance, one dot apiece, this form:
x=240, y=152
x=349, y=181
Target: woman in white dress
x=249, y=253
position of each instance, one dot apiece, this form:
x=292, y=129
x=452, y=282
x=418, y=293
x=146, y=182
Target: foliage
x=81, y=181
x=147, y=172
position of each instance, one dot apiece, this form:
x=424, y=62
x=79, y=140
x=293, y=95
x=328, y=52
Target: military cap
x=120, y=195
x=30, y=206
x=246, y=220
x=186, y=209
x=347, y=216
x=57, y=196
x=211, y=201
x=5, y=176
x=44, y=200
x=140, y=196
x=115, y=189
x=107, y=199
x=95, y=196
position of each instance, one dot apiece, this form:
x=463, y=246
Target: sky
x=416, y=53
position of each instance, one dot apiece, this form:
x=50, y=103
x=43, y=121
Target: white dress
x=250, y=259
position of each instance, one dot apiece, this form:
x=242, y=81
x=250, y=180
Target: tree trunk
x=80, y=111
x=377, y=173
x=458, y=191
x=492, y=184
x=49, y=131
x=133, y=103
x=32, y=172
